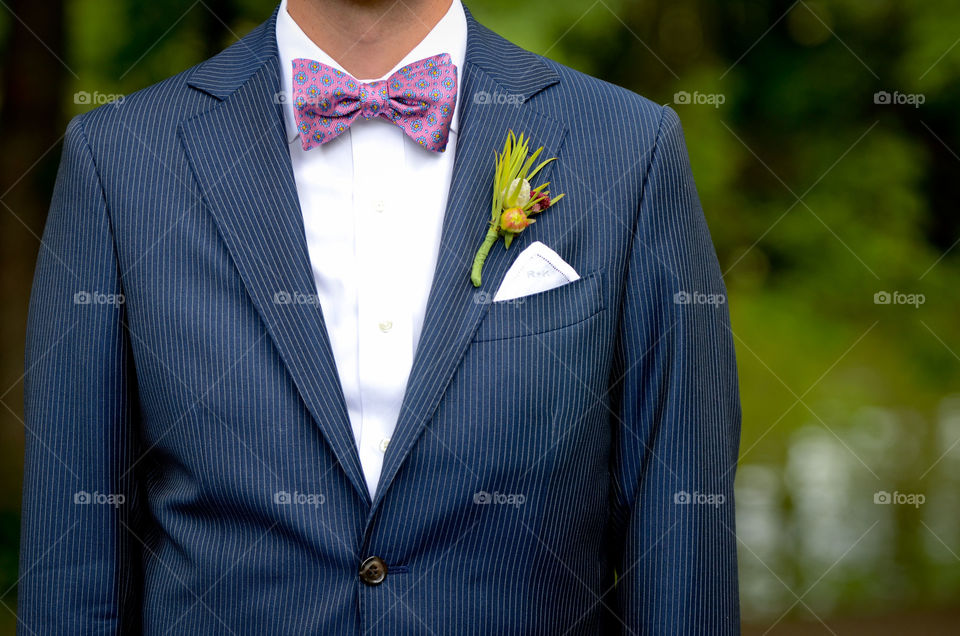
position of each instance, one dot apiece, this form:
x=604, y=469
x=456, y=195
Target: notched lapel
x=239, y=155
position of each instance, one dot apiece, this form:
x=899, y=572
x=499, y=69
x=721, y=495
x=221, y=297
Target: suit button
x=373, y=570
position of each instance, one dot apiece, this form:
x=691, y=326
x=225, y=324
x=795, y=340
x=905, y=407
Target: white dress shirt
x=373, y=202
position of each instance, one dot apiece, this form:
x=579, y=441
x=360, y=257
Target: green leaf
x=525, y=171
x=540, y=167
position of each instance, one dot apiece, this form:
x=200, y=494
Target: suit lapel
x=239, y=154
x=493, y=67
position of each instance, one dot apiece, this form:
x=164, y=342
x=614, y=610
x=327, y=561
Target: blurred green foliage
x=818, y=195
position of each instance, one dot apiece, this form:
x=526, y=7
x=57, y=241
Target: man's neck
x=367, y=37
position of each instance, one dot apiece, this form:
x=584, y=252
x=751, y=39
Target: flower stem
x=478, y=260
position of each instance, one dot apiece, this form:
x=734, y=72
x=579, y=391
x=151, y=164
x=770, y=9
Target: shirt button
x=380, y=205
x=383, y=444
x=386, y=326
x=373, y=571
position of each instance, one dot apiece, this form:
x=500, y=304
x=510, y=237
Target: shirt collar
x=448, y=36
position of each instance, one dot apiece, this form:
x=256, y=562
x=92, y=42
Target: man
x=264, y=397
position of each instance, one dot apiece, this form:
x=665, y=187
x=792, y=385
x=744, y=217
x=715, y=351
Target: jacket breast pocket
x=545, y=311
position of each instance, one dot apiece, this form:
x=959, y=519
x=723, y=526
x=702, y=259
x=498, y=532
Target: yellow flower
x=514, y=199
x=514, y=220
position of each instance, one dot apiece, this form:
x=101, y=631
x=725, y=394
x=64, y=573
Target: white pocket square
x=537, y=269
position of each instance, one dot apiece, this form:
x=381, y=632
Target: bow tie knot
x=374, y=98
x=419, y=98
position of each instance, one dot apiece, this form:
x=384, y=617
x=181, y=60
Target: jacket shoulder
x=615, y=107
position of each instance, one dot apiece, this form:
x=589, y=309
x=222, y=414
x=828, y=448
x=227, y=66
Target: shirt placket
x=385, y=322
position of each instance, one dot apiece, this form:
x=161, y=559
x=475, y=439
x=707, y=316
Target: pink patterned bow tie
x=419, y=98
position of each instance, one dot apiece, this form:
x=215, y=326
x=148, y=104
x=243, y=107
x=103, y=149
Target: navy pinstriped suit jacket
x=188, y=415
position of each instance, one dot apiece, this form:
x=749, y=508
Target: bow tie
x=419, y=98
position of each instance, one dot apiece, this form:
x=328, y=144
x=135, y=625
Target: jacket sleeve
x=78, y=563
x=676, y=434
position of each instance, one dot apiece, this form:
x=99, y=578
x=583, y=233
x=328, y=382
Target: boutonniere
x=515, y=201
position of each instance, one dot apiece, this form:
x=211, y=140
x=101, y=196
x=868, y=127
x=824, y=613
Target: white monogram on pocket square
x=537, y=269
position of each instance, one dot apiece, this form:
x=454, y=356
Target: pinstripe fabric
x=542, y=443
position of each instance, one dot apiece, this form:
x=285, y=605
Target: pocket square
x=537, y=269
